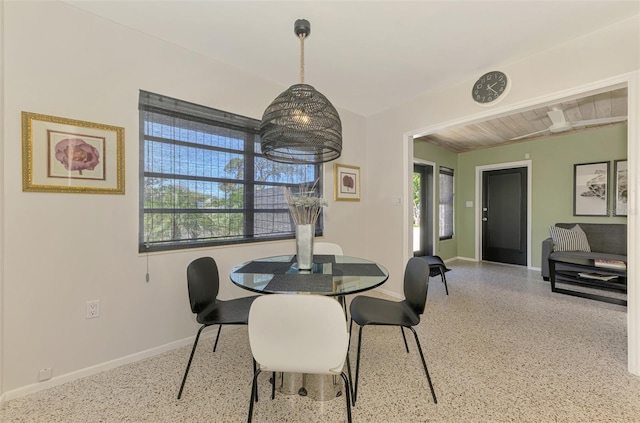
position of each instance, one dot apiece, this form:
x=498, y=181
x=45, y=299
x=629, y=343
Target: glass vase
x=304, y=246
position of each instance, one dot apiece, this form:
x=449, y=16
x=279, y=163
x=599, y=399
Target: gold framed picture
x=347, y=182
x=66, y=155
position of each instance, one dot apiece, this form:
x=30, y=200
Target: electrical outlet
x=44, y=374
x=93, y=309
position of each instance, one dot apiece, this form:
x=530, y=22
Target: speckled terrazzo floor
x=500, y=348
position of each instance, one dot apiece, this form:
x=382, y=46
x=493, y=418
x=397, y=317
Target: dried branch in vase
x=305, y=207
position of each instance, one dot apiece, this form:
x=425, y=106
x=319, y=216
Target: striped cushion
x=573, y=239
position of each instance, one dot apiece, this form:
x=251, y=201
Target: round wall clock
x=490, y=87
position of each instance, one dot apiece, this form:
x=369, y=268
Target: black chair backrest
x=203, y=282
x=416, y=283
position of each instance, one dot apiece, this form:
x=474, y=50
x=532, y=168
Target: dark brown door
x=504, y=216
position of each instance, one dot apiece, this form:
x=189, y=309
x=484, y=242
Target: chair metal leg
x=347, y=390
x=406, y=346
x=193, y=350
x=353, y=400
x=350, y=330
x=217, y=337
x=444, y=280
x=424, y=363
x=343, y=302
x=273, y=385
x=350, y=378
x=254, y=393
x=255, y=367
x=355, y=387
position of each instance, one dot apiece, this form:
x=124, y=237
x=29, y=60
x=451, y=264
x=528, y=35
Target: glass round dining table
x=331, y=275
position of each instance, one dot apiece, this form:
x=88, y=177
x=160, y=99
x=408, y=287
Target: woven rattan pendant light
x=301, y=125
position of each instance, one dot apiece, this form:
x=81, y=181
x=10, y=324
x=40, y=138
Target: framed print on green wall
x=620, y=181
x=591, y=189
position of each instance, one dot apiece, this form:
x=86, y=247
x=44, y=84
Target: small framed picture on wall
x=347, y=182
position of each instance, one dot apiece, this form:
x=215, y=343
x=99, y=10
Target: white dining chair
x=327, y=248
x=298, y=334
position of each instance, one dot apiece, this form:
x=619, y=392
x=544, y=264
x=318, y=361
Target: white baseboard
x=474, y=260
x=88, y=371
x=461, y=258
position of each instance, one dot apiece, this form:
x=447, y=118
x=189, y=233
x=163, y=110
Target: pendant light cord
x=302, y=36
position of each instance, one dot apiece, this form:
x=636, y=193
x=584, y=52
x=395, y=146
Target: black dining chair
x=437, y=267
x=203, y=282
x=406, y=314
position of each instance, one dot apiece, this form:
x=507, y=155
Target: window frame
x=179, y=109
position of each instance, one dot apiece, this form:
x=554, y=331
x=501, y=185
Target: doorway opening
x=631, y=81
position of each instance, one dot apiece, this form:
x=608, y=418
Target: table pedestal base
x=316, y=387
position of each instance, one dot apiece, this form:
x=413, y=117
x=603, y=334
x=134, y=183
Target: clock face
x=490, y=87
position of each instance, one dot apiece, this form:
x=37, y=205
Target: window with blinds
x=446, y=203
x=204, y=182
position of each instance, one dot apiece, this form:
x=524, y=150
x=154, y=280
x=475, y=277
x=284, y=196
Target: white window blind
x=446, y=203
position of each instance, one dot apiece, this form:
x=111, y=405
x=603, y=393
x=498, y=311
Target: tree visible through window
x=204, y=182
x=446, y=203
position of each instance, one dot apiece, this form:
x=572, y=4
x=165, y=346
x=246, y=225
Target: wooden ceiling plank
x=536, y=121
x=572, y=111
x=504, y=131
x=524, y=125
x=510, y=123
x=619, y=105
x=543, y=116
x=602, y=105
x=587, y=108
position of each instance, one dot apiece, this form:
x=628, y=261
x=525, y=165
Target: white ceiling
x=366, y=56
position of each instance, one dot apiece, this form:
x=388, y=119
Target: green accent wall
x=552, y=165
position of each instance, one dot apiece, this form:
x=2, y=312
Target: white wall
x=61, y=250
x=606, y=56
